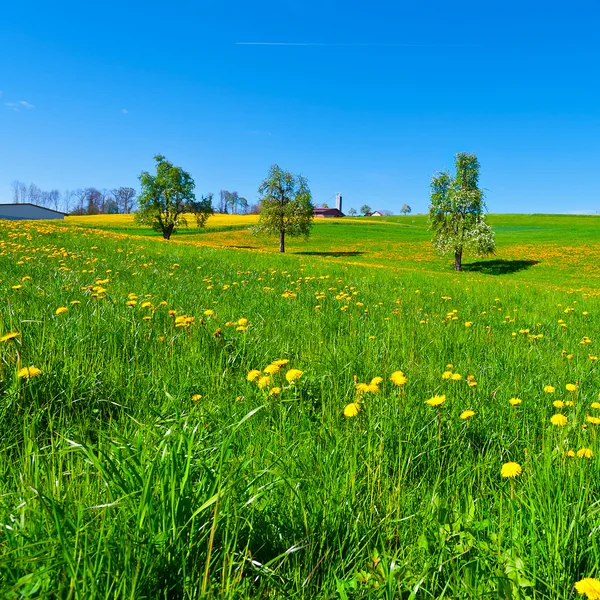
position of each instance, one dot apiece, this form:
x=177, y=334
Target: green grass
x=114, y=483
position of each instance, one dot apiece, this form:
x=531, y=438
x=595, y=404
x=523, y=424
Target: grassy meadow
x=206, y=418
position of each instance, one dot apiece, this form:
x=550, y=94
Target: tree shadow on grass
x=337, y=254
x=499, y=266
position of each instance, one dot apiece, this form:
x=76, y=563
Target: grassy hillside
x=148, y=459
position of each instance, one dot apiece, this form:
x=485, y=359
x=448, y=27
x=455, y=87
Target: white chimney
x=338, y=201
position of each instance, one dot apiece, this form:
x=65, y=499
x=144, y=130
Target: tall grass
x=118, y=481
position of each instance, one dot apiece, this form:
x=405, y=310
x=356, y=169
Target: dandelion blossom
x=594, y=404
x=264, y=381
x=253, y=375
x=559, y=420
x=456, y=377
x=446, y=374
x=275, y=391
x=511, y=469
x=589, y=587
x=467, y=414
x=398, y=378
x=61, y=310
x=272, y=369
x=280, y=362
x=585, y=453
x=571, y=387
x=352, y=409
x=196, y=397
x=549, y=389
x=436, y=400
x=558, y=404
x=28, y=372
x=515, y=401
x=293, y=374
x=12, y=335
x=593, y=420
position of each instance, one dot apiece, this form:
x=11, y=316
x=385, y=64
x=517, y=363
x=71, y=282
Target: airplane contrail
x=357, y=45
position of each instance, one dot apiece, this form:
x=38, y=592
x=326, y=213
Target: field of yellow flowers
x=206, y=418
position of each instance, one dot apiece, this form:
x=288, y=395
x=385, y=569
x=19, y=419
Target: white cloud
x=16, y=106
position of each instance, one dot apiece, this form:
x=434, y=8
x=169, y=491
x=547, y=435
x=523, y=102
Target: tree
x=352, y=212
x=364, y=209
x=406, y=209
x=124, y=198
x=167, y=196
x=456, y=212
x=286, y=205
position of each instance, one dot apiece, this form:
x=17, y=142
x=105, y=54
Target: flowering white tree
x=456, y=212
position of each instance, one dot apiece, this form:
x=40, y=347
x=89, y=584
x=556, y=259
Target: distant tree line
x=82, y=201
x=234, y=204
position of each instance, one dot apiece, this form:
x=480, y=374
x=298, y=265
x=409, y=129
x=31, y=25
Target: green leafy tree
x=167, y=197
x=352, y=212
x=286, y=205
x=456, y=212
x=406, y=209
x=364, y=209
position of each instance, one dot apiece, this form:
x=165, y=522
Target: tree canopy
x=365, y=208
x=166, y=198
x=286, y=205
x=456, y=212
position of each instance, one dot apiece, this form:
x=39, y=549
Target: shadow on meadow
x=337, y=254
x=499, y=266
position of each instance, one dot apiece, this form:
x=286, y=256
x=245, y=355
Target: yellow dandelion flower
x=352, y=409
x=373, y=388
x=146, y=304
x=585, y=453
x=27, y=372
x=275, y=391
x=131, y=302
x=12, y=335
x=549, y=389
x=449, y=366
x=571, y=387
x=280, y=362
x=398, y=378
x=209, y=313
x=467, y=414
x=515, y=401
x=559, y=420
x=589, y=587
x=243, y=322
x=569, y=403
x=74, y=302
x=253, y=375
x=264, y=381
x=594, y=404
x=436, y=400
x=446, y=374
x=376, y=380
x=593, y=420
x=558, y=404
x=570, y=453
x=293, y=374
x=196, y=397
x=456, y=377
x=472, y=383
x=468, y=323
x=511, y=469
x=240, y=328
x=61, y=310
x=272, y=369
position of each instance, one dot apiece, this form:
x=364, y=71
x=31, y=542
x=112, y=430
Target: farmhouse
x=328, y=213
x=19, y=212
x=331, y=213
x=375, y=213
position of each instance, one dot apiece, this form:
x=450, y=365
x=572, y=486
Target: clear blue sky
x=365, y=98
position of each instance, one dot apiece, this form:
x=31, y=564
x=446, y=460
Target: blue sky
x=365, y=98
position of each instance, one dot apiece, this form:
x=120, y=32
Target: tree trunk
x=281, y=241
x=167, y=231
x=458, y=261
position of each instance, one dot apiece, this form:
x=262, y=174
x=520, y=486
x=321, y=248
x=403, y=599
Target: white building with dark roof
x=30, y=212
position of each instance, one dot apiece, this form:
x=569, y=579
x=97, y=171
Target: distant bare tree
x=79, y=195
x=54, y=199
x=67, y=197
x=34, y=194
x=15, y=187
x=124, y=198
